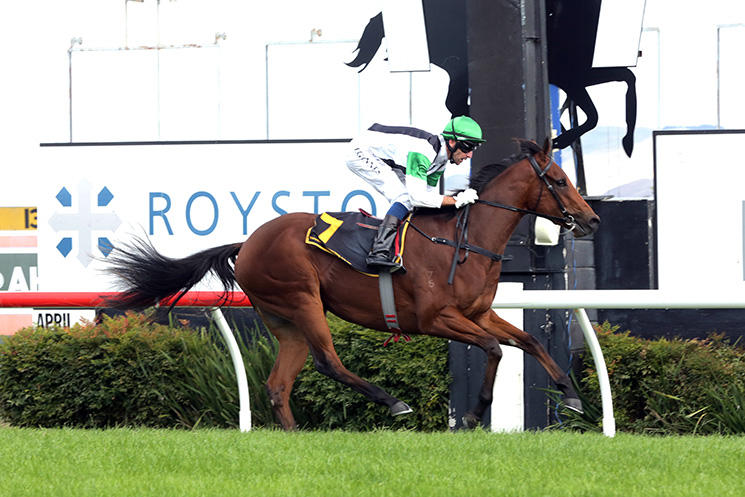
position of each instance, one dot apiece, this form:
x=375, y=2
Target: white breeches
x=380, y=175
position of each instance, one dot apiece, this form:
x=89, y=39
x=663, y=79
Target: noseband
x=567, y=220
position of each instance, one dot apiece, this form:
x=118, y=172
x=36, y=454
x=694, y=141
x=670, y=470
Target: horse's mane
x=489, y=172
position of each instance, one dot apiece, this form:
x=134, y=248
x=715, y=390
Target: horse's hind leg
x=328, y=363
x=291, y=356
x=508, y=334
x=294, y=343
x=628, y=139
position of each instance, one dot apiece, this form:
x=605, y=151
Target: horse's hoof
x=574, y=404
x=400, y=408
x=628, y=144
x=470, y=421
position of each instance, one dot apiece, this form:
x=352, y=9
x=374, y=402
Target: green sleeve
x=417, y=166
x=433, y=178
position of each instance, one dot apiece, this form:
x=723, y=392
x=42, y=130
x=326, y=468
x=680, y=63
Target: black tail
x=146, y=277
x=372, y=38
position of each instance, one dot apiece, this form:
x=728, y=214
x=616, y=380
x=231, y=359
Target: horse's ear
x=546, y=147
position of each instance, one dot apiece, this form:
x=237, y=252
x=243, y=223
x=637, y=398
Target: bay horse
x=292, y=285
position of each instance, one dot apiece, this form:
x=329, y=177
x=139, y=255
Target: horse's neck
x=493, y=226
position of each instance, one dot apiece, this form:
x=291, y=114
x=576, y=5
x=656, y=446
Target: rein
x=462, y=243
x=461, y=226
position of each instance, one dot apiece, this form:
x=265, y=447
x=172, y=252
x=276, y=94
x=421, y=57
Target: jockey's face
x=456, y=154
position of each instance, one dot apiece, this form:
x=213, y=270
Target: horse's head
x=544, y=189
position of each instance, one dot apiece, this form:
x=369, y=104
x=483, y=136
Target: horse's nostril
x=595, y=222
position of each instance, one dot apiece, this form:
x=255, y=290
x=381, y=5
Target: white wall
x=207, y=89
x=677, y=87
x=700, y=208
x=676, y=77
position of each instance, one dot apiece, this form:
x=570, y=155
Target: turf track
x=161, y=463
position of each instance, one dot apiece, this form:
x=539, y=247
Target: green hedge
x=113, y=374
x=666, y=386
x=127, y=371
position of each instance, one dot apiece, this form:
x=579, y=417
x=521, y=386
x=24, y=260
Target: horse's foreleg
x=457, y=97
x=451, y=324
x=624, y=75
x=508, y=334
x=628, y=140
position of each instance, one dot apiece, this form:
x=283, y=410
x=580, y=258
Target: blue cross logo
x=85, y=222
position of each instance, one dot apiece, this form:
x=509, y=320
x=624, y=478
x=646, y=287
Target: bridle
x=461, y=225
x=568, y=219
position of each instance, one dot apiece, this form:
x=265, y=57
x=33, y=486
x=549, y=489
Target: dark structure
x=509, y=98
x=571, y=31
x=515, y=49
x=503, y=55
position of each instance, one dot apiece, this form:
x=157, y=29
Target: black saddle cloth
x=347, y=235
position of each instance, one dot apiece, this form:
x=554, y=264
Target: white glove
x=465, y=197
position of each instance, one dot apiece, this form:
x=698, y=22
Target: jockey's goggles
x=467, y=146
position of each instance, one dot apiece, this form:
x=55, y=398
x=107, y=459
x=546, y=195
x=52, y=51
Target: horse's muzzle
x=585, y=227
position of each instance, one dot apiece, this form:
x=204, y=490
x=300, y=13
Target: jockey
x=405, y=165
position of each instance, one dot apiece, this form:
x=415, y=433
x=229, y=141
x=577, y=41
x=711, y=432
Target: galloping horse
x=292, y=284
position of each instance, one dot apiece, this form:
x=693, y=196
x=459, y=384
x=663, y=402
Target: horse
x=292, y=285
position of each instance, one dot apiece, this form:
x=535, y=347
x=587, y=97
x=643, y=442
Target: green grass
x=137, y=463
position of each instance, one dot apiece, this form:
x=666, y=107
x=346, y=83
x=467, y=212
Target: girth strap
x=387, y=300
x=388, y=303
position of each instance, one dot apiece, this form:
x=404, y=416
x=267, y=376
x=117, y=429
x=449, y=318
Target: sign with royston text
x=184, y=197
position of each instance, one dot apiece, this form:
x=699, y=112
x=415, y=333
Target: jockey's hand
x=465, y=197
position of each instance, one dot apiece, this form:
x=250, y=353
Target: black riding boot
x=380, y=254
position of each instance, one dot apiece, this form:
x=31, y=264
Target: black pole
x=508, y=75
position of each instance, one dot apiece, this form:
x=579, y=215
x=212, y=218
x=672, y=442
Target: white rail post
x=244, y=416
x=609, y=422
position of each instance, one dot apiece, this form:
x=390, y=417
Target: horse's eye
x=561, y=182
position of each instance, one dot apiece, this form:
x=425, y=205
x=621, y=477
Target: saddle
x=349, y=236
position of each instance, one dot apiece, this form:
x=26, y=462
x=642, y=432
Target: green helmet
x=463, y=128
